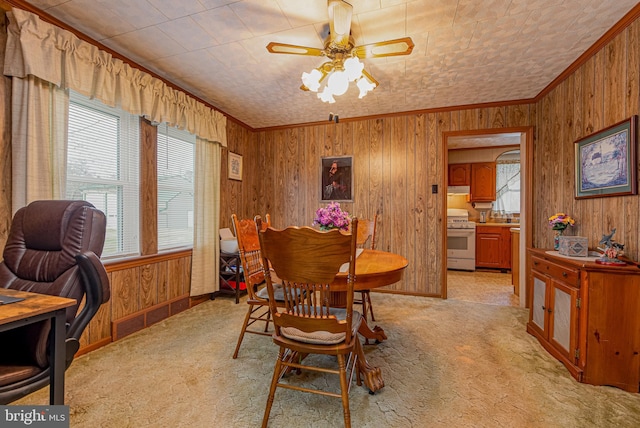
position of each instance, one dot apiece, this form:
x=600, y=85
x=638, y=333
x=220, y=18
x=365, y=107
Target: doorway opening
x=492, y=286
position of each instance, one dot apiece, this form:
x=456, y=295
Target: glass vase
x=556, y=240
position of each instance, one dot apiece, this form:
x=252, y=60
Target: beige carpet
x=446, y=363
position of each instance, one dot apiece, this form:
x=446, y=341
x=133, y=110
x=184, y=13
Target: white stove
x=461, y=240
x=458, y=218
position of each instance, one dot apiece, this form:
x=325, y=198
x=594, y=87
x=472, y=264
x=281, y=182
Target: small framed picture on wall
x=337, y=178
x=235, y=166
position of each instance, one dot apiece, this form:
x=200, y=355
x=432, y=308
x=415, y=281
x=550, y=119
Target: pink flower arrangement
x=332, y=217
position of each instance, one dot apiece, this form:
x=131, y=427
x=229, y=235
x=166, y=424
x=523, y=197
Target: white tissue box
x=574, y=246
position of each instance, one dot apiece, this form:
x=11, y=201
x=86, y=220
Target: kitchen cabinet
x=459, y=174
x=483, y=182
x=493, y=247
x=585, y=315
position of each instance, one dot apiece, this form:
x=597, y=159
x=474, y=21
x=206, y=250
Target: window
x=175, y=187
x=508, y=183
x=102, y=168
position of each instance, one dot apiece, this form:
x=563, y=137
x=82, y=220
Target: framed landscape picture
x=337, y=178
x=606, y=161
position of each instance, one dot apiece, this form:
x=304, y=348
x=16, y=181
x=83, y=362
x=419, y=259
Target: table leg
x=376, y=334
x=371, y=375
x=57, y=358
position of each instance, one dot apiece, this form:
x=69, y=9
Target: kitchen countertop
x=504, y=224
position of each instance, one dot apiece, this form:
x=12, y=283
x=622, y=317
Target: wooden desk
x=374, y=269
x=38, y=307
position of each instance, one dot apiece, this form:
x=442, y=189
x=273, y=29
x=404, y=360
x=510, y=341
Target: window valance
x=37, y=48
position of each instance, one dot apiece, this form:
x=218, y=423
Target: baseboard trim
x=93, y=346
x=135, y=322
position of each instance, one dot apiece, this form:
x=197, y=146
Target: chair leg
x=344, y=390
x=363, y=302
x=268, y=320
x=272, y=388
x=244, y=329
x=367, y=296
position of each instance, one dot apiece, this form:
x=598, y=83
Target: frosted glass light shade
x=326, y=95
x=365, y=86
x=312, y=80
x=338, y=82
x=353, y=67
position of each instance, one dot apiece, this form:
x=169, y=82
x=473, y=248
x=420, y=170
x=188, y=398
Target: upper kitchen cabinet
x=483, y=182
x=459, y=174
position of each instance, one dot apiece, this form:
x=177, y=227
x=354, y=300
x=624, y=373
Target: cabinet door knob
x=564, y=274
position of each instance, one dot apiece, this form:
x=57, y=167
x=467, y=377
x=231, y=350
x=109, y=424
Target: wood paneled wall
x=143, y=292
x=603, y=91
x=5, y=144
x=396, y=161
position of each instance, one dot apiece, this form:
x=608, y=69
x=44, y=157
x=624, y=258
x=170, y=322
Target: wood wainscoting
x=144, y=291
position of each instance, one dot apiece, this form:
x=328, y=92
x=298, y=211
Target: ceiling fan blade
x=340, y=22
x=283, y=48
x=394, y=47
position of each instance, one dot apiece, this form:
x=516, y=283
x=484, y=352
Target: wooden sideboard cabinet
x=587, y=316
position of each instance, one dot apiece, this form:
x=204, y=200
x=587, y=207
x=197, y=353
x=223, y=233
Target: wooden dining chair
x=366, y=239
x=306, y=261
x=251, y=260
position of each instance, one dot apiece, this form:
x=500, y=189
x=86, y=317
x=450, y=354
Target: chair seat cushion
x=263, y=293
x=10, y=374
x=278, y=292
x=324, y=337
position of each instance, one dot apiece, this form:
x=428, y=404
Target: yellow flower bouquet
x=560, y=221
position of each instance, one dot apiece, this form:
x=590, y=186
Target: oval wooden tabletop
x=374, y=268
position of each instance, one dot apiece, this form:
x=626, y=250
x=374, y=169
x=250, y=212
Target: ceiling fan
x=343, y=65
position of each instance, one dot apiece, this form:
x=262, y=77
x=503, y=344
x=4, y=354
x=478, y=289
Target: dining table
x=374, y=268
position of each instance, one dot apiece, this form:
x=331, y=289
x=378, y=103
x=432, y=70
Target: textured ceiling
x=466, y=51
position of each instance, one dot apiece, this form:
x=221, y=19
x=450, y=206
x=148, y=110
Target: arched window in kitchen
x=508, y=183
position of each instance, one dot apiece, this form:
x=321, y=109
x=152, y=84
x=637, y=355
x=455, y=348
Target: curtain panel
x=205, y=260
x=45, y=57
x=40, y=49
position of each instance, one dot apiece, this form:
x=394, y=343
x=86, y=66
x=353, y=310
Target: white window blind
x=176, y=150
x=103, y=168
